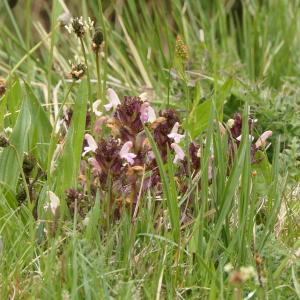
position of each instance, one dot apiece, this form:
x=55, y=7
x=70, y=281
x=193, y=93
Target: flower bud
x=2, y=86
x=97, y=41
x=3, y=141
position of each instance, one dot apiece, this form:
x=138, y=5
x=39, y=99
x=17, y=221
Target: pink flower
x=179, y=154
x=99, y=124
x=92, y=145
x=147, y=113
x=95, y=165
x=125, y=154
x=114, y=100
x=263, y=138
x=174, y=134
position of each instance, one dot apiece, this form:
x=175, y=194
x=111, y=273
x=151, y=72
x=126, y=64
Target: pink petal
x=125, y=148
x=130, y=158
x=147, y=113
x=99, y=124
x=262, y=139
x=179, y=154
x=151, y=114
x=94, y=164
x=92, y=145
x=124, y=152
x=114, y=100
x=91, y=142
x=174, y=134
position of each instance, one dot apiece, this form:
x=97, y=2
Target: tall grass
x=246, y=215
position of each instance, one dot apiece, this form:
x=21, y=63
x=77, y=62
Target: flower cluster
x=119, y=154
x=79, y=26
x=235, y=126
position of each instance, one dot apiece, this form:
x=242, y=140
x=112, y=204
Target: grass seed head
x=3, y=141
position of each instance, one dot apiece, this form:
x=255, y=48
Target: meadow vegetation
x=149, y=149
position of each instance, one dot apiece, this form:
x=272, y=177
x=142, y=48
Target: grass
x=246, y=215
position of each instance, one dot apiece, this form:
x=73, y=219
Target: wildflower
x=53, y=202
x=78, y=71
x=129, y=115
x=95, y=165
x=95, y=108
x=99, y=124
x=261, y=142
x=174, y=134
x=147, y=113
x=91, y=144
x=97, y=41
x=125, y=154
x=114, y=100
x=3, y=141
x=181, y=50
x=179, y=154
x=108, y=158
x=2, y=86
x=79, y=27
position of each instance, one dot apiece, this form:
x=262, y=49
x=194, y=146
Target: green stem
x=99, y=85
x=87, y=70
x=105, y=46
x=52, y=139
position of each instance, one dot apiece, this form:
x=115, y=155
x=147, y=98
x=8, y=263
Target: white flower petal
x=95, y=108
x=53, y=202
x=114, y=100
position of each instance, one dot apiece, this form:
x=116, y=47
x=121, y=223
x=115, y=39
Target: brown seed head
x=181, y=49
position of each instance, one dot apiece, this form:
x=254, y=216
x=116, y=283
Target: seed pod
x=78, y=71
x=3, y=141
x=2, y=86
x=97, y=41
x=29, y=163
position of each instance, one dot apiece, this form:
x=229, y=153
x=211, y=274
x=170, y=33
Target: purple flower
x=92, y=145
x=179, y=154
x=175, y=135
x=125, y=154
x=114, y=100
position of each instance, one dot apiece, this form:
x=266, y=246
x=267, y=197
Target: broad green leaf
x=11, y=157
x=263, y=168
x=41, y=130
x=67, y=170
x=199, y=116
x=13, y=103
